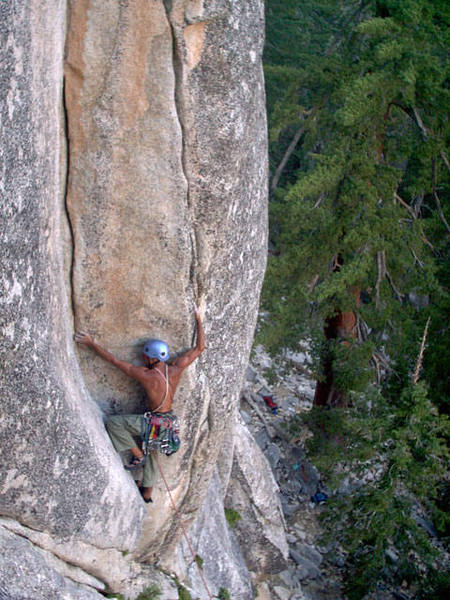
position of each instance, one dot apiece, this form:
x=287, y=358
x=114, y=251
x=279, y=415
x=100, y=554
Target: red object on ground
x=270, y=403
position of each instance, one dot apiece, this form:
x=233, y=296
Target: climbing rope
x=182, y=527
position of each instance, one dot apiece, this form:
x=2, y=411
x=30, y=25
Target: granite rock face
x=131, y=191
x=59, y=471
x=212, y=540
x=253, y=493
x=167, y=204
x=36, y=575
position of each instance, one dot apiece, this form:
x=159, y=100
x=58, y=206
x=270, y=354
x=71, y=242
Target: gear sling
x=160, y=431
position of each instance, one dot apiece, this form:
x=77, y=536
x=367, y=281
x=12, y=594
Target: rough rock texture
x=214, y=542
x=36, y=576
x=166, y=197
x=252, y=492
x=59, y=471
x=138, y=190
x=33, y=564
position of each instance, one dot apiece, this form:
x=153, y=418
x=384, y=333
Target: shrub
x=151, y=593
x=232, y=516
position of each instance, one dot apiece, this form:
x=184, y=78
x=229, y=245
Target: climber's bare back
x=154, y=383
x=155, y=386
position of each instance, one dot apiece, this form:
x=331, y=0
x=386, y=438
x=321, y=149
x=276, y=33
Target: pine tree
x=358, y=117
x=357, y=211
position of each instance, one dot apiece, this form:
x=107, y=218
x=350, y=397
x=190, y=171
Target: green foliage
x=367, y=83
x=224, y=594
x=183, y=594
x=151, y=593
x=232, y=516
x=359, y=224
x=271, y=375
x=436, y=586
x=199, y=560
x=403, y=440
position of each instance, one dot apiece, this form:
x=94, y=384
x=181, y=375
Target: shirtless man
x=123, y=429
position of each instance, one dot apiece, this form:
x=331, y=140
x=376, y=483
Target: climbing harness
x=183, y=528
x=160, y=431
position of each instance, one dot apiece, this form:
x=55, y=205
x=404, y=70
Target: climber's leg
x=149, y=477
x=123, y=431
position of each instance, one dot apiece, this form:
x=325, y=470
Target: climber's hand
x=83, y=338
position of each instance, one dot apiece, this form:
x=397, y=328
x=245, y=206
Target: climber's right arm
x=129, y=369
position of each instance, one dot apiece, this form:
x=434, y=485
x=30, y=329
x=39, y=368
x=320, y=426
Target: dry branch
x=394, y=289
x=381, y=267
x=440, y=212
x=286, y=157
x=406, y=205
x=420, y=357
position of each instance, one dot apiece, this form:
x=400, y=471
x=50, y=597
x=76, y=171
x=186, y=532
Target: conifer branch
x=420, y=124
x=383, y=360
x=418, y=201
x=377, y=369
x=445, y=159
x=362, y=328
x=420, y=357
x=318, y=201
x=415, y=217
x=340, y=36
x=425, y=131
x=428, y=243
x=416, y=259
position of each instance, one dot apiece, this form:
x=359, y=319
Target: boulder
x=282, y=593
x=253, y=493
x=306, y=568
x=310, y=553
x=273, y=454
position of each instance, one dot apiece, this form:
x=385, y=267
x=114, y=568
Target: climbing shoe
x=135, y=463
x=146, y=500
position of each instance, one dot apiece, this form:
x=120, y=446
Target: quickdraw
x=160, y=431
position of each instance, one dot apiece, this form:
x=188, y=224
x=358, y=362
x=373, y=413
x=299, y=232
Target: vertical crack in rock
x=177, y=59
x=71, y=291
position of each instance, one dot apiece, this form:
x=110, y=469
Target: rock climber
x=160, y=381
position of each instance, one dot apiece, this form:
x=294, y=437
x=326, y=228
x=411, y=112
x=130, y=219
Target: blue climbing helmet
x=156, y=349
